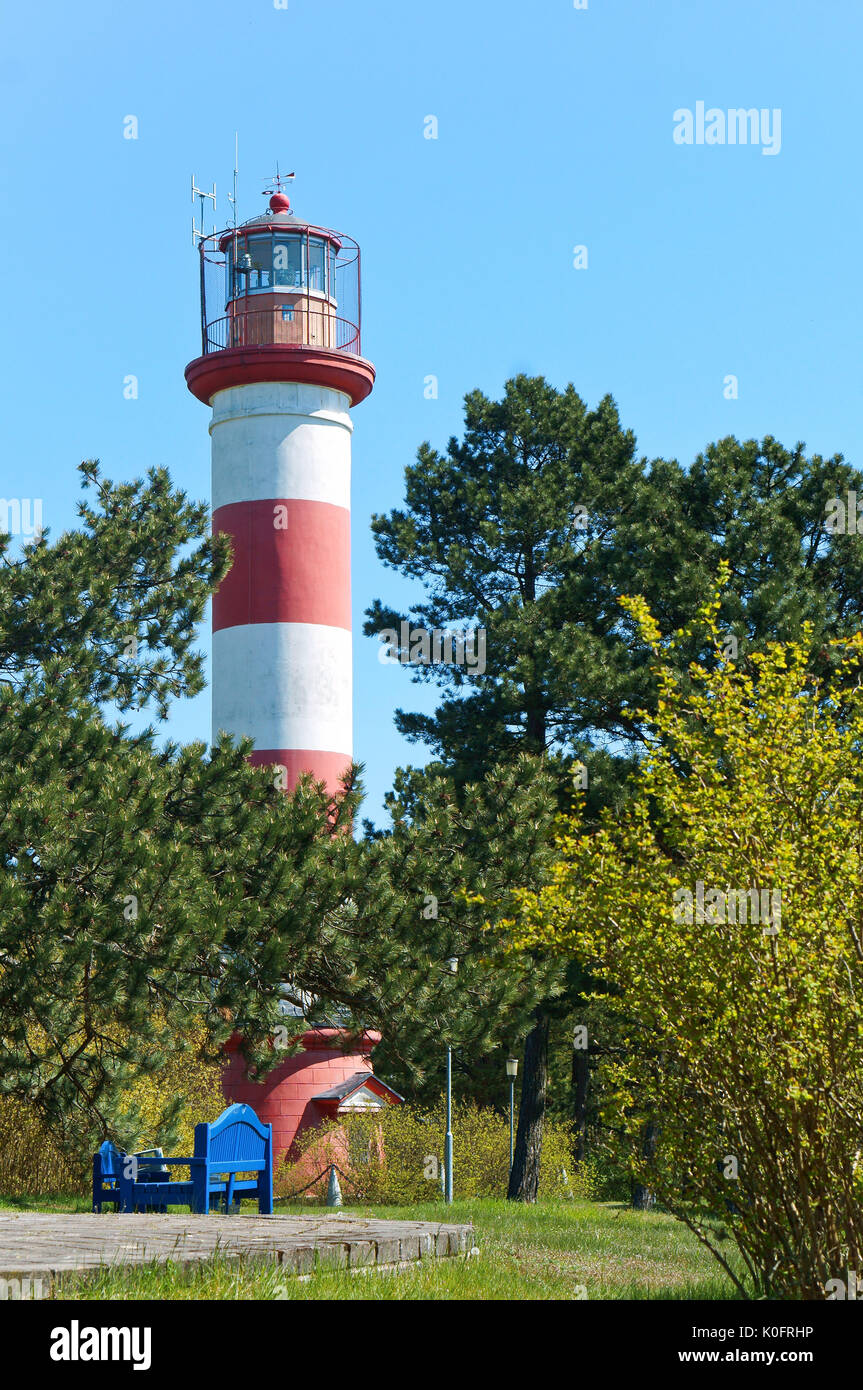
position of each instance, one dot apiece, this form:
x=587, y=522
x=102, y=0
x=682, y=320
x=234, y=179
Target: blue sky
x=555, y=129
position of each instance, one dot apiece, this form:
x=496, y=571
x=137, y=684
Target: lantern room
x=277, y=280
x=280, y=301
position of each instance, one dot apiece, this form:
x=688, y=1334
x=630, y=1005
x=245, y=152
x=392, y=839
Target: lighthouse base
x=285, y=1098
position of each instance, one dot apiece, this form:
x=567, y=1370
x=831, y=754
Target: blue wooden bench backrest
x=236, y=1142
x=111, y=1161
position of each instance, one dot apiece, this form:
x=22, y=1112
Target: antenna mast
x=198, y=236
x=233, y=200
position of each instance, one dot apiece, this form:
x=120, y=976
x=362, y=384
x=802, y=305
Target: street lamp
x=452, y=966
x=512, y=1072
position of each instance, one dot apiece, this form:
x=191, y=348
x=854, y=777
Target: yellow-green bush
x=31, y=1159
x=158, y=1108
x=395, y=1156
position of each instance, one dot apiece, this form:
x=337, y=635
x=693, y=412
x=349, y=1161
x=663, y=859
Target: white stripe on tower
x=282, y=661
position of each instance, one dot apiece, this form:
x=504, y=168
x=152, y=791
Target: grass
x=548, y=1251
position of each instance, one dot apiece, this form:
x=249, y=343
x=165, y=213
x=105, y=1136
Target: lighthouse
x=281, y=368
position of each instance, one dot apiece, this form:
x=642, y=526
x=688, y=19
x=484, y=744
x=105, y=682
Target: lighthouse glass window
x=260, y=275
x=287, y=262
x=256, y=273
x=316, y=266
x=281, y=262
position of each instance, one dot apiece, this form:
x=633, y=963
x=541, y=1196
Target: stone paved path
x=45, y=1244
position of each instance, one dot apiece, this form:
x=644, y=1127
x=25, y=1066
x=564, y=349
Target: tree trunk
x=642, y=1198
x=580, y=1083
x=524, y=1178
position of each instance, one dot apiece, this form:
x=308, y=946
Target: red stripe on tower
x=292, y=563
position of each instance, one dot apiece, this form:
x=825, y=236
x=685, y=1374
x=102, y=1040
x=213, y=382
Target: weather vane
x=274, y=185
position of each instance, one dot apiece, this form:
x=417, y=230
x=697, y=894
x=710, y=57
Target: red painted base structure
x=284, y=1098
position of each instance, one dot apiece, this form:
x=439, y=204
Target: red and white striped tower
x=281, y=367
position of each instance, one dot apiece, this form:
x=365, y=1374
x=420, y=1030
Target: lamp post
x=452, y=966
x=512, y=1072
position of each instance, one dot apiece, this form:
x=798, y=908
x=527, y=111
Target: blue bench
x=235, y=1143
x=108, y=1165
